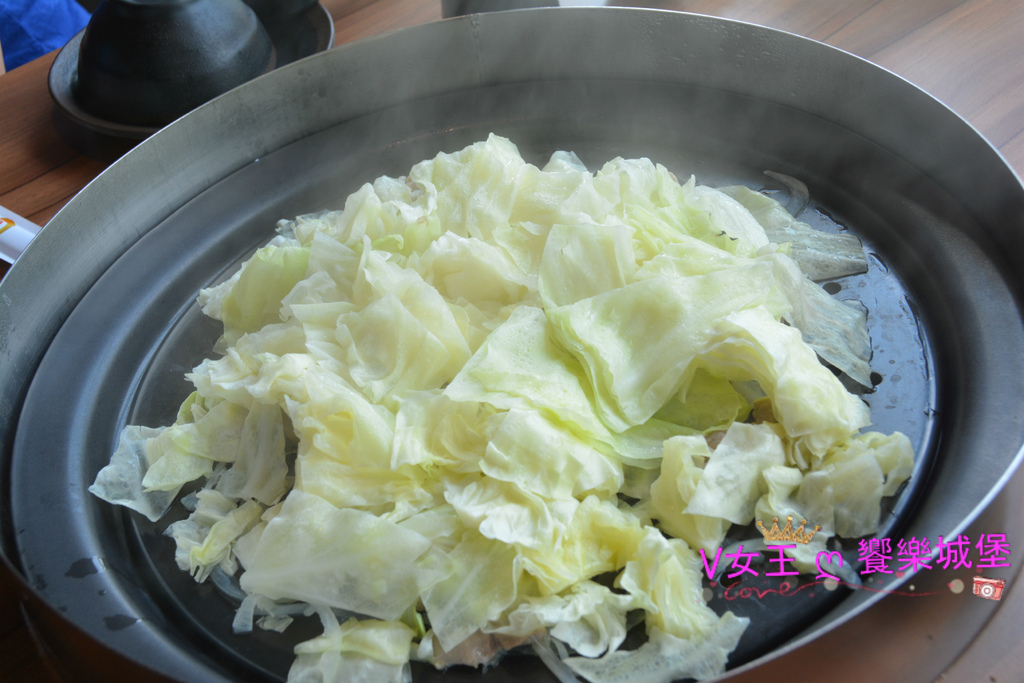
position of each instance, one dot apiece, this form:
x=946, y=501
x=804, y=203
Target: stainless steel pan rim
x=947, y=218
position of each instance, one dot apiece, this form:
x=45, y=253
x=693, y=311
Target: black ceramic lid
x=148, y=62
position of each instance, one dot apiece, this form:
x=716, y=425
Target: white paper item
x=15, y=234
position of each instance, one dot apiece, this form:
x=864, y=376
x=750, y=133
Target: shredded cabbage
x=489, y=404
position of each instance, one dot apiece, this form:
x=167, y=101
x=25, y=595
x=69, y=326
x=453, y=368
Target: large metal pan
x=97, y=320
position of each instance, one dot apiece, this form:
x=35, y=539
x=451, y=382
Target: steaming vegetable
x=489, y=403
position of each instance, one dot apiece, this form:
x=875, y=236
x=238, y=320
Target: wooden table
x=968, y=53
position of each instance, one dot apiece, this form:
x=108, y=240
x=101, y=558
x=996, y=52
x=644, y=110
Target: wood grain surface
x=967, y=53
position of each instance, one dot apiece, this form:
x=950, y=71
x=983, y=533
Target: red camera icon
x=991, y=589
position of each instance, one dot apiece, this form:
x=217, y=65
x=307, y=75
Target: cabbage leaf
x=489, y=404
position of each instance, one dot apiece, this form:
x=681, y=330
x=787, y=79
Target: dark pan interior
x=944, y=318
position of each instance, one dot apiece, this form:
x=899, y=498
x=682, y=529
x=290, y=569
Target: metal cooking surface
x=943, y=314
x=165, y=335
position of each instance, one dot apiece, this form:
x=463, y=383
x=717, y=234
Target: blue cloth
x=31, y=28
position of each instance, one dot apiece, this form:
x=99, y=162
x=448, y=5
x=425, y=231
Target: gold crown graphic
x=787, y=533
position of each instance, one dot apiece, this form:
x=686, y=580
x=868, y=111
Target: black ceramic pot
x=148, y=62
